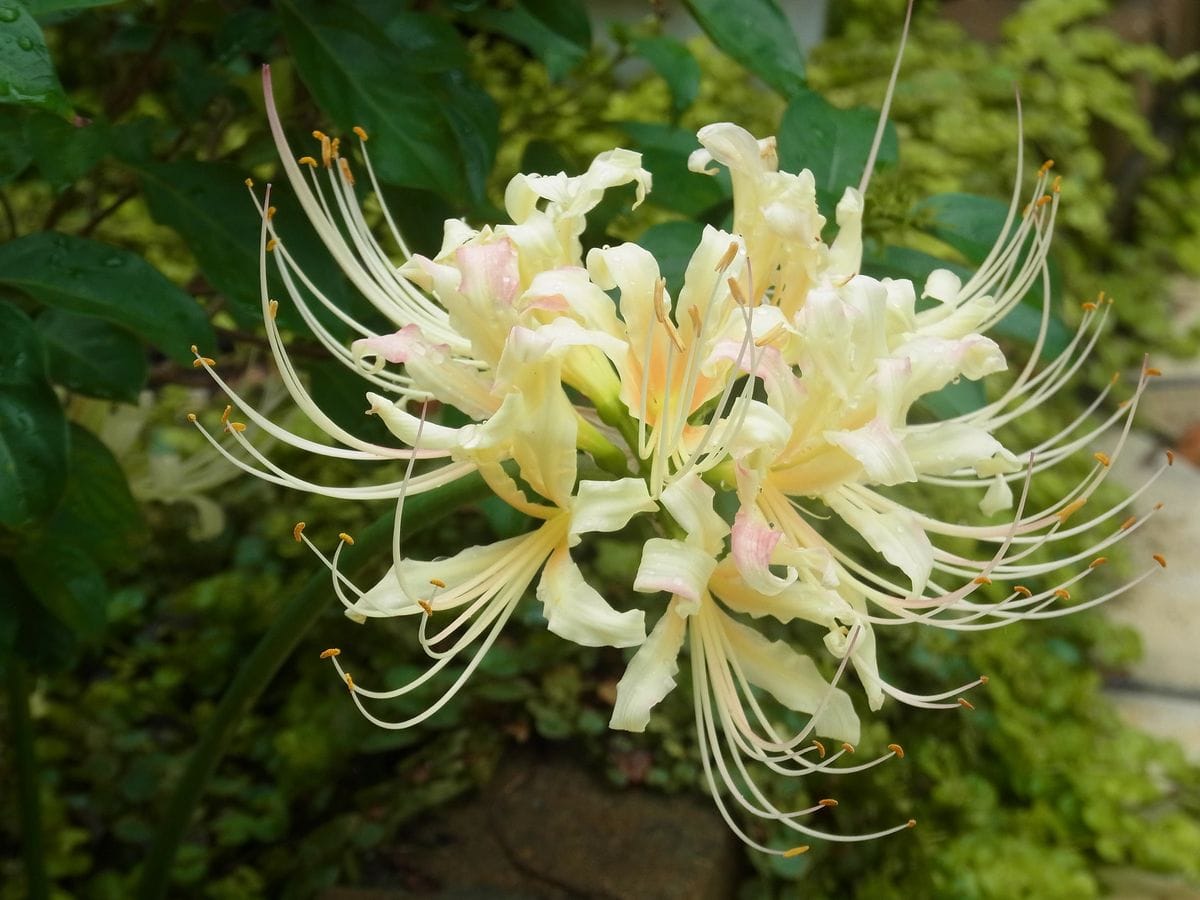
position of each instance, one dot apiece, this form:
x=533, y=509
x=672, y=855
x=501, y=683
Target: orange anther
x=307, y=161
x=272, y=244
x=1153, y=373
x=332, y=651
x=349, y=682
x=249, y=182
x=360, y=132
x=191, y=417
x=727, y=257
x=1102, y=458
x=897, y=749
x=1022, y=590
x=1070, y=509
x=425, y=605
x=344, y=165
x=225, y=414
x=1128, y=523
x=828, y=801
x=203, y=361
x=820, y=748
x=983, y=679
x=345, y=538
x=795, y=851
x=1089, y=306
x=239, y=427
x=1160, y=559
x=273, y=309
x=1170, y=457
x=982, y=579
x=965, y=703
x=847, y=746
x=297, y=531
x=1097, y=562
x=1062, y=593
x=437, y=582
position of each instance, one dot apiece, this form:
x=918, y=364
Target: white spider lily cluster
x=780, y=375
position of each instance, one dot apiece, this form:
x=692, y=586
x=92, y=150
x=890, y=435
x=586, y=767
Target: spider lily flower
x=780, y=373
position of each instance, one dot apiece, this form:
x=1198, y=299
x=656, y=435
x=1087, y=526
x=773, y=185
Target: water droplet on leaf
x=9, y=14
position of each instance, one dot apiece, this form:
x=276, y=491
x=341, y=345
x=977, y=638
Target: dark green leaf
x=65, y=152
x=98, y=514
x=38, y=638
x=27, y=75
x=96, y=279
x=568, y=18
x=758, y=35
x=832, y=143
x=68, y=583
x=45, y=7
x=33, y=430
x=15, y=155
x=420, y=137
x=92, y=356
x=675, y=63
x=208, y=205
x=673, y=244
x=968, y=223
x=665, y=150
x=558, y=54
x=96, y=526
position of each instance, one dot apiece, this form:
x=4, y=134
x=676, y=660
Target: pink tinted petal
x=754, y=541
x=489, y=270
x=398, y=347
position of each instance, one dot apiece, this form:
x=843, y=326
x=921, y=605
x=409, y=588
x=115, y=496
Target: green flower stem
x=27, y=771
x=613, y=412
x=257, y=670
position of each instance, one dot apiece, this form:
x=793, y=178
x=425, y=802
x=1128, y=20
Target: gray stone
x=545, y=829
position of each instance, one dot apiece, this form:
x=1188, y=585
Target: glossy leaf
x=27, y=75
x=68, y=583
x=968, y=223
x=97, y=526
x=65, y=151
x=97, y=279
x=98, y=513
x=832, y=143
x=675, y=63
x=92, y=356
x=559, y=54
x=757, y=34
x=33, y=430
x=429, y=130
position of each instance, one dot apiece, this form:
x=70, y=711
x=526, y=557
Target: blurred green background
x=139, y=572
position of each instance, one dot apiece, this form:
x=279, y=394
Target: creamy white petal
x=650, y=675
x=575, y=610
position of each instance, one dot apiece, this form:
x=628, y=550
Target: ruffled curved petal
x=675, y=567
x=650, y=675
x=880, y=451
x=575, y=610
x=690, y=501
x=608, y=505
